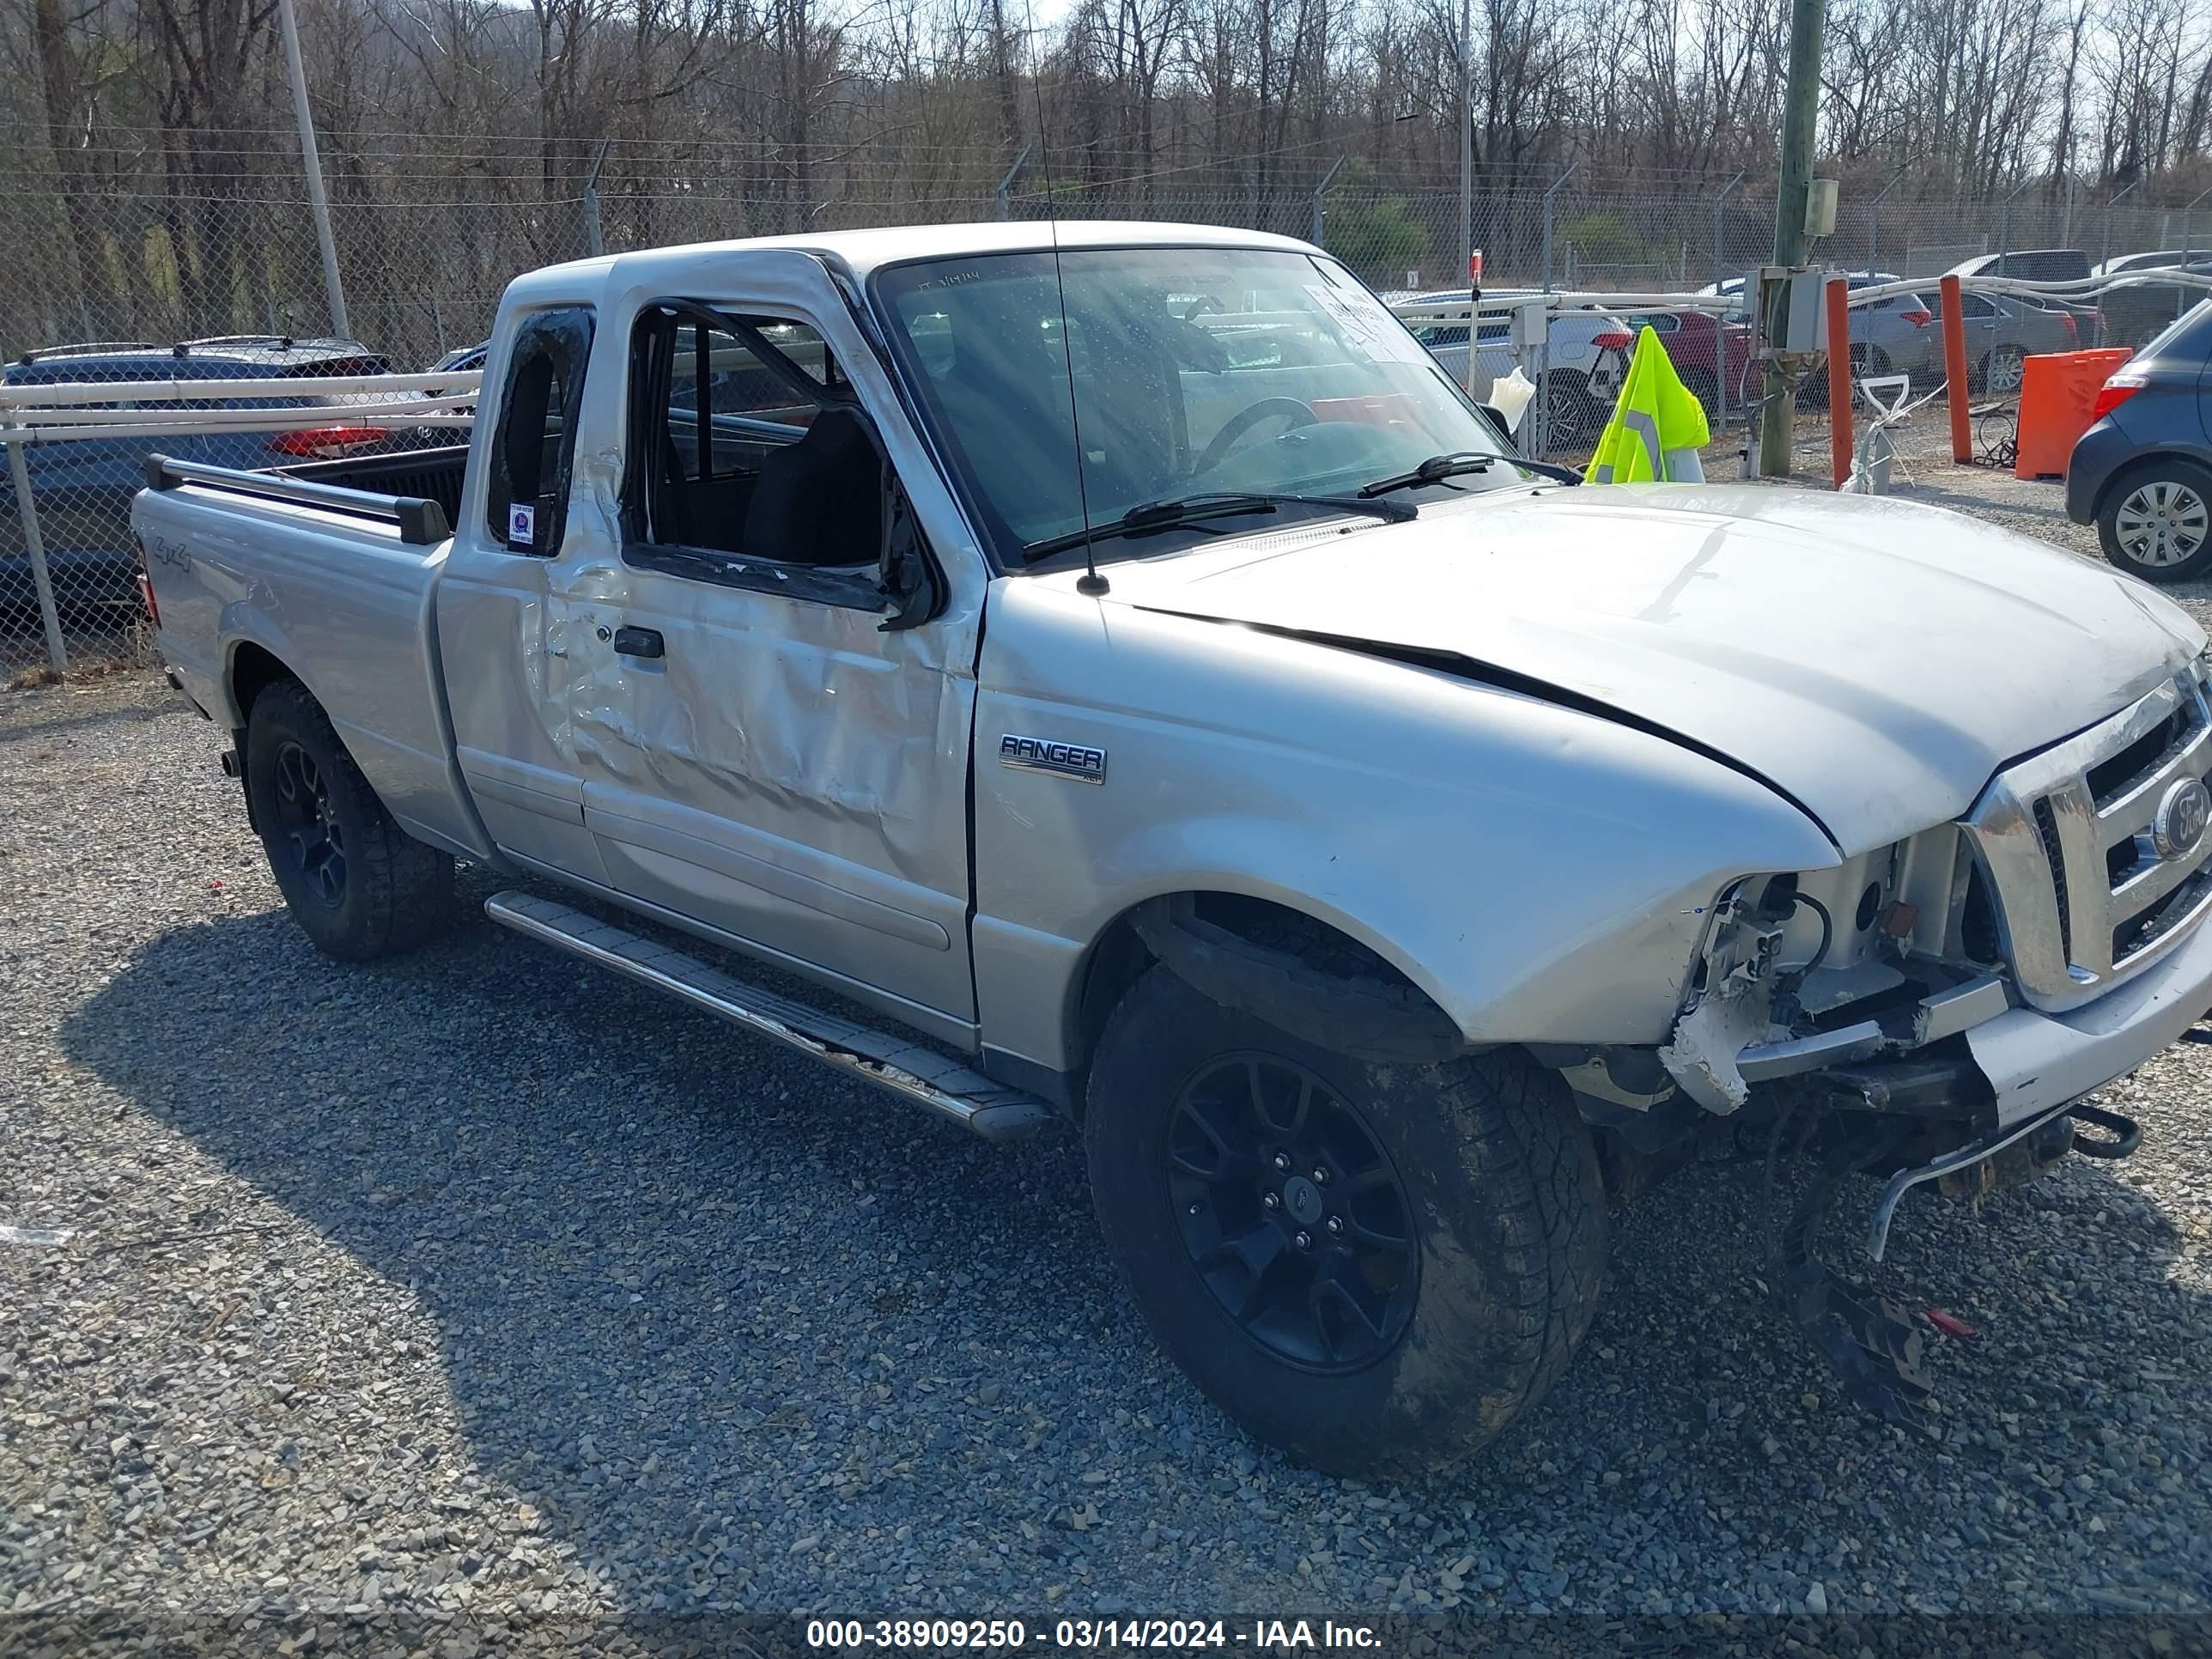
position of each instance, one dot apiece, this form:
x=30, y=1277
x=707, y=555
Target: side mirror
x=1489, y=412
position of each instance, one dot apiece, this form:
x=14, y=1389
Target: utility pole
x=1801, y=110
x=311, y=159
x=1467, y=152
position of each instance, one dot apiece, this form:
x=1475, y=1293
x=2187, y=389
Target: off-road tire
x=395, y=892
x=1509, y=1223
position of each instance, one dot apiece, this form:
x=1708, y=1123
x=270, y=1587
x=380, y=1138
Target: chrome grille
x=2083, y=898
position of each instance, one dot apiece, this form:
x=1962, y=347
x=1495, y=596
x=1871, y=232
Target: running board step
x=908, y=1068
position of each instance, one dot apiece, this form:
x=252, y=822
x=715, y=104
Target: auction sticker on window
x=1366, y=325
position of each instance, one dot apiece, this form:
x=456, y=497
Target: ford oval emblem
x=2178, y=823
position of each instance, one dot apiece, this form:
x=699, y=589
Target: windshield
x=1196, y=370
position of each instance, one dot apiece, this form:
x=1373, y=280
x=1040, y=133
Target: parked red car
x=1702, y=347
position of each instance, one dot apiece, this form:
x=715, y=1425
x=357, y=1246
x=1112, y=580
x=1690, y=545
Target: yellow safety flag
x=1657, y=426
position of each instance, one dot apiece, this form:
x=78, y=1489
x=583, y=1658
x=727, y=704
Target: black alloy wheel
x=1293, y=1214
x=307, y=824
x=356, y=883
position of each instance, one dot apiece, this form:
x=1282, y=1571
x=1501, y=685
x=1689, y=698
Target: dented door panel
x=785, y=772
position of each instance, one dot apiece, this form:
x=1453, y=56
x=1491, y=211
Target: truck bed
x=430, y=475
x=329, y=572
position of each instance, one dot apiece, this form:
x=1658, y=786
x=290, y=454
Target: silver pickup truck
x=1121, y=669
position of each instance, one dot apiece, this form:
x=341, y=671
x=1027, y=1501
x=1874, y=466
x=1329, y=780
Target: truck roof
x=865, y=251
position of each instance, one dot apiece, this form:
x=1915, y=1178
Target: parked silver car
x=2002, y=331
x=2035, y=264
x=1891, y=336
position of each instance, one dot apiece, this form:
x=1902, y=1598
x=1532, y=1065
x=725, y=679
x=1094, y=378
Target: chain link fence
x=135, y=276
x=80, y=422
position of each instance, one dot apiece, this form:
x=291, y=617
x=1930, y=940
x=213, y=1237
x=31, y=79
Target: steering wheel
x=1299, y=414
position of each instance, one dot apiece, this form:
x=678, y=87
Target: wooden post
x=1954, y=371
x=1839, y=380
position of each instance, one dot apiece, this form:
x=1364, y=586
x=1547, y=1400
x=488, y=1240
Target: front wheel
x=356, y=883
x=2156, y=521
x=1572, y=415
x=2003, y=370
x=1375, y=1267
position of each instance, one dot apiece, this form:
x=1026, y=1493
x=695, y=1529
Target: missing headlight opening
x=1799, y=972
x=1733, y=1008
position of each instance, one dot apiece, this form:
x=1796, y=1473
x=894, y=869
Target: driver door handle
x=639, y=642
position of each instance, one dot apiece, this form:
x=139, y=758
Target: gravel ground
x=477, y=1284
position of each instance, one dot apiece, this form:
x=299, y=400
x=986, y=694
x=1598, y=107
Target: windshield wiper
x=1438, y=468
x=1149, y=516
x=1435, y=470
x=1547, y=469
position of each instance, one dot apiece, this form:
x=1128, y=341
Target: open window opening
x=746, y=440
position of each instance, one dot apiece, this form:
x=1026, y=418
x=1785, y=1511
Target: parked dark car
x=2143, y=474
x=81, y=491
x=462, y=359
x=2027, y=265
x=2140, y=311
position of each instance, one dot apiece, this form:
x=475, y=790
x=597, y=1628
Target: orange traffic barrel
x=2057, y=395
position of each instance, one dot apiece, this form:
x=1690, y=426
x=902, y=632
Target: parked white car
x=1587, y=356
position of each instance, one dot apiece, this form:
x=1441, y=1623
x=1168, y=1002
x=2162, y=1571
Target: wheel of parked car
x=1571, y=415
x=2155, y=520
x=1375, y=1267
x=1869, y=362
x=2003, y=369
x=357, y=883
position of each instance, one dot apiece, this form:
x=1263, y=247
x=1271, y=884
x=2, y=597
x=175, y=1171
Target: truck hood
x=1876, y=660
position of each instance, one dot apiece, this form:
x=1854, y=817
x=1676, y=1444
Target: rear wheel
x=1375, y=1267
x=2156, y=520
x=358, y=885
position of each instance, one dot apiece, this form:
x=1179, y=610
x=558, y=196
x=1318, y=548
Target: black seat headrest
x=819, y=500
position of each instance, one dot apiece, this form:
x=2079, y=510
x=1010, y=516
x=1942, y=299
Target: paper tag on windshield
x=1368, y=327
x=522, y=525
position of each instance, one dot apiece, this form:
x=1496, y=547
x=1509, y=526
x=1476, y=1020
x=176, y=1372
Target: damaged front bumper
x=2036, y=1060
x=2020, y=1063
x=1942, y=1077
